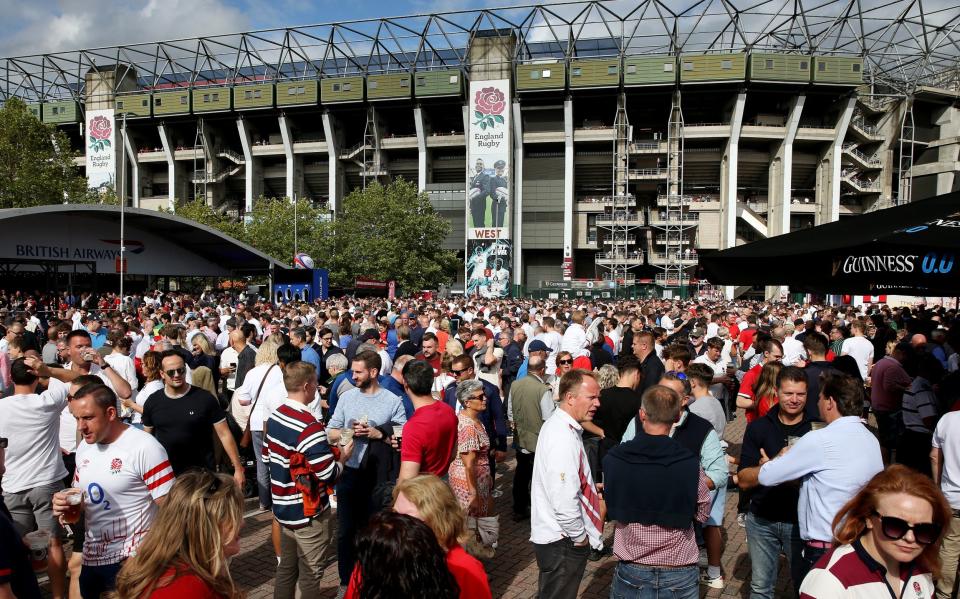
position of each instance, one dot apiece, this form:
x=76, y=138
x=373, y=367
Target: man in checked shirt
x=654, y=537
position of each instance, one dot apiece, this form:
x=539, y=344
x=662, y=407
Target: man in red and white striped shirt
x=124, y=474
x=654, y=537
x=296, y=444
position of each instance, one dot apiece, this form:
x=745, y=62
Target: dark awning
x=907, y=249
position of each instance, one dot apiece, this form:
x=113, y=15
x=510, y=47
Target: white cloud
x=76, y=24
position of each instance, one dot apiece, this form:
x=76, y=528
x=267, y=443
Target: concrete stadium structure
x=639, y=134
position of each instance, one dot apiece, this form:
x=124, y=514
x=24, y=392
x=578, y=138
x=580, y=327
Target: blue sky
x=38, y=27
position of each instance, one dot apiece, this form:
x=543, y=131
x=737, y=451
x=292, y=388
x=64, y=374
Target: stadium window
x=215, y=97
x=545, y=74
x=404, y=83
x=534, y=74
x=336, y=87
x=183, y=99
x=248, y=95
x=156, y=101
x=301, y=90
x=576, y=72
x=821, y=66
x=119, y=105
x=668, y=67
x=856, y=67
x=631, y=69
x=291, y=91
x=454, y=79
x=421, y=81
x=372, y=84
x=804, y=65
x=769, y=63
x=55, y=110
x=688, y=66
x=257, y=93
x=347, y=86
x=726, y=64
x=206, y=98
x=612, y=69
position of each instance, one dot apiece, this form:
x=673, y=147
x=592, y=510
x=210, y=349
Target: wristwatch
x=105, y=365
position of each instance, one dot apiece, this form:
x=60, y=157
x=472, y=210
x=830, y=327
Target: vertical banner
x=489, y=170
x=488, y=267
x=101, y=148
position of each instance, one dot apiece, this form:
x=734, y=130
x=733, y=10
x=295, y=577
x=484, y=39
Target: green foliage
x=36, y=164
x=382, y=232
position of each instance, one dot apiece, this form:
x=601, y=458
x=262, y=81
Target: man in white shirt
x=124, y=473
x=859, y=347
x=792, y=349
x=565, y=519
x=551, y=338
x=34, y=468
x=945, y=459
x=85, y=360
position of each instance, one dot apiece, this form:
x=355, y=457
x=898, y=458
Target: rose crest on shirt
x=116, y=465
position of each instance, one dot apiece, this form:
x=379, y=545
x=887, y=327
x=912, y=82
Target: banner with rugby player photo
x=488, y=267
x=489, y=189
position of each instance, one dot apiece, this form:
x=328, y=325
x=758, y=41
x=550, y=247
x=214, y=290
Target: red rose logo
x=116, y=465
x=489, y=104
x=490, y=100
x=100, y=130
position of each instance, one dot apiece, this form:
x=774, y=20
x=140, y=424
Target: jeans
x=97, y=580
x=561, y=565
x=636, y=581
x=263, y=471
x=521, y=483
x=354, y=492
x=303, y=555
x=765, y=541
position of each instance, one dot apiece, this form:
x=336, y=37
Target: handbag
x=247, y=437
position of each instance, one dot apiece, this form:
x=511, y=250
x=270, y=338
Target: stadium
x=574, y=147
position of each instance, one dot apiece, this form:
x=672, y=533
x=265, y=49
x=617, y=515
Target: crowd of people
x=371, y=429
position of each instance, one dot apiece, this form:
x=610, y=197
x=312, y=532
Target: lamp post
x=123, y=202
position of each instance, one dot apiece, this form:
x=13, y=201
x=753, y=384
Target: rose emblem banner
x=489, y=189
x=101, y=148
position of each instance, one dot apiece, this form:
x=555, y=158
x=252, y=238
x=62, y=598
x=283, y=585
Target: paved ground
x=513, y=571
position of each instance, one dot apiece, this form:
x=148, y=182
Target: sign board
x=101, y=149
x=489, y=190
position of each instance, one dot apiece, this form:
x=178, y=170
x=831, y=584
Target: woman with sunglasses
x=185, y=553
x=470, y=471
x=888, y=539
x=564, y=365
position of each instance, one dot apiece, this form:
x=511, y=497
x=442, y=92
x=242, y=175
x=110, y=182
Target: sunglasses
x=677, y=374
x=326, y=338
x=214, y=486
x=176, y=371
x=478, y=397
x=458, y=372
x=564, y=361
x=895, y=529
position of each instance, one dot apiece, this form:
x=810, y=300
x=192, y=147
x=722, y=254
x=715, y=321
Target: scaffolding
x=674, y=222
x=371, y=167
x=200, y=176
x=620, y=220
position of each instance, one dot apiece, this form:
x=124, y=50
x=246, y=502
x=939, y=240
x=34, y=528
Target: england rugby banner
x=489, y=190
x=101, y=148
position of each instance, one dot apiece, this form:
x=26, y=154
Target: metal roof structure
x=905, y=43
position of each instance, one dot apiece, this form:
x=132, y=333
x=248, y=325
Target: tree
x=36, y=163
x=389, y=232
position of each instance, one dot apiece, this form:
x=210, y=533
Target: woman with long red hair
x=887, y=541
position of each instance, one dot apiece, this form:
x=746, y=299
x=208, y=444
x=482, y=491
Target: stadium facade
x=607, y=141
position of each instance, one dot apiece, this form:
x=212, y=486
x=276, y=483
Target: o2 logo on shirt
x=97, y=496
x=115, y=466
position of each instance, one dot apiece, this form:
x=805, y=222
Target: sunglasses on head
x=176, y=371
x=896, y=528
x=564, y=361
x=214, y=486
x=677, y=374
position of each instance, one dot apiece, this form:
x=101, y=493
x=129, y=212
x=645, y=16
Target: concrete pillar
x=948, y=153
x=423, y=162
x=293, y=187
x=828, y=170
x=133, y=171
x=517, y=177
x=335, y=171
x=780, y=189
x=212, y=166
x=252, y=182
x=168, y=149
x=728, y=177
x=568, y=179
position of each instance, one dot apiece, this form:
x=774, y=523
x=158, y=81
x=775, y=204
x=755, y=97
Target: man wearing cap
x=536, y=348
x=696, y=342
